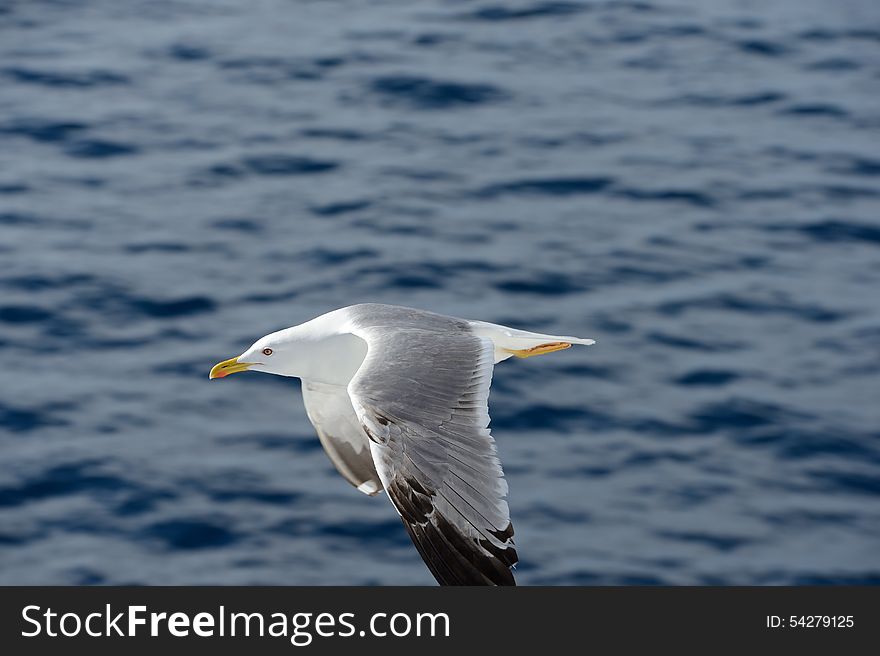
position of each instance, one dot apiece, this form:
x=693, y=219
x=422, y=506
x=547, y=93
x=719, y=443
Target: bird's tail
x=511, y=342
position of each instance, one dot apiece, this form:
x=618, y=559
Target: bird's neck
x=331, y=359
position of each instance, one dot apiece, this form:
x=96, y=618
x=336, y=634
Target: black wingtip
x=454, y=560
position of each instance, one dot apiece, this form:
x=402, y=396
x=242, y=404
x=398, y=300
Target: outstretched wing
x=422, y=399
x=331, y=413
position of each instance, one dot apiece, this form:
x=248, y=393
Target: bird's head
x=316, y=350
x=273, y=354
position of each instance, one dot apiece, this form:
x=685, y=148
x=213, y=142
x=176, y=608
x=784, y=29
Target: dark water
x=694, y=184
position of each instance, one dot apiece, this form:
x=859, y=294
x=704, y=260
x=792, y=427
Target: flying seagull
x=399, y=398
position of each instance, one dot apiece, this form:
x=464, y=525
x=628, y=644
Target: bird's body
x=399, y=399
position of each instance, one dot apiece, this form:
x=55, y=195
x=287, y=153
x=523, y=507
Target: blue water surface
x=693, y=184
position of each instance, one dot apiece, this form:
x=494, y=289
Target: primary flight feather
x=399, y=399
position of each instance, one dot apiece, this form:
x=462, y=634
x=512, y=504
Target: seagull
x=399, y=399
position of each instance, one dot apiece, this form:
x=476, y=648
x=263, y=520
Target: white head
x=276, y=353
x=315, y=350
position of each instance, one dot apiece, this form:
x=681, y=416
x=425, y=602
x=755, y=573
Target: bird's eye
x=267, y=351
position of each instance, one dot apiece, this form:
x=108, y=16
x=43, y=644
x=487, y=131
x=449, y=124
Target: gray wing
x=422, y=399
x=331, y=413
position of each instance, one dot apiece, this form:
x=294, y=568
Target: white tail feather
x=507, y=340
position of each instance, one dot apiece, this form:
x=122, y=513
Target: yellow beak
x=231, y=366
